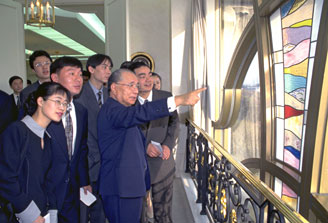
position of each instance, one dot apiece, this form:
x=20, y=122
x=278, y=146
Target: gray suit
x=29, y=89
x=164, y=131
x=89, y=100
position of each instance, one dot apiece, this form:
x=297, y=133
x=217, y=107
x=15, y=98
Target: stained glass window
x=294, y=31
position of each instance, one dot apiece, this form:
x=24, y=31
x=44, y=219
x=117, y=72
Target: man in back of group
x=69, y=171
x=124, y=176
x=16, y=84
x=161, y=163
x=92, y=97
x=40, y=62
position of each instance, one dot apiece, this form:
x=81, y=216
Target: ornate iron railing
x=226, y=189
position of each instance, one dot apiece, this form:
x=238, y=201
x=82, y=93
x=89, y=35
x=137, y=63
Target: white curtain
x=199, y=61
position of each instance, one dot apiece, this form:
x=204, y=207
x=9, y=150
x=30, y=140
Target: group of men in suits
x=122, y=158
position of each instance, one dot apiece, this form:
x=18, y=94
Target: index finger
x=200, y=90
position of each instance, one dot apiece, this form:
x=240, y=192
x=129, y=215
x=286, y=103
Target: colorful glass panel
x=294, y=30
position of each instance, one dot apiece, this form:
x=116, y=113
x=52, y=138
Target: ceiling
x=72, y=28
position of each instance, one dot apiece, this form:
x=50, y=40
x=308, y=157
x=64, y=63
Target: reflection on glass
x=235, y=15
x=245, y=141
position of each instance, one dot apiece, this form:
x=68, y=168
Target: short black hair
x=97, y=59
x=137, y=64
x=11, y=80
x=61, y=62
x=38, y=53
x=126, y=64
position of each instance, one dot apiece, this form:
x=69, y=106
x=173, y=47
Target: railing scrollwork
x=228, y=191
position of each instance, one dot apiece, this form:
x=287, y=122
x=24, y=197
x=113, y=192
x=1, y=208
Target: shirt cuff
x=53, y=216
x=30, y=214
x=171, y=104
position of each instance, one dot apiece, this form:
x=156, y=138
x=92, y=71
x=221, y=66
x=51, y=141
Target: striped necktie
x=99, y=98
x=69, y=131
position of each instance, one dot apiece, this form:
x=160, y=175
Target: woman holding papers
x=25, y=157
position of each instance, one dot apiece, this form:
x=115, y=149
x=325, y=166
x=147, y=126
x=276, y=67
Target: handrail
x=291, y=215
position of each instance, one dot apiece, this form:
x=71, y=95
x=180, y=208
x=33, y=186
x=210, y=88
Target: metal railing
x=227, y=190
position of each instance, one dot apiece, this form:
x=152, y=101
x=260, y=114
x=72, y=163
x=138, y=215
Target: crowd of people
x=73, y=133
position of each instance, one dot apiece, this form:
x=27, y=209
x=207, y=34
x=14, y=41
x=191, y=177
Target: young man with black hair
x=92, y=97
x=161, y=162
x=39, y=62
x=69, y=170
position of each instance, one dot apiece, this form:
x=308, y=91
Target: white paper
x=47, y=218
x=158, y=146
x=88, y=198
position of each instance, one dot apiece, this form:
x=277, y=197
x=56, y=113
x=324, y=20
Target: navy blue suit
x=69, y=175
x=7, y=107
x=124, y=170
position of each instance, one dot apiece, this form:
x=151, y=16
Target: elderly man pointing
x=124, y=175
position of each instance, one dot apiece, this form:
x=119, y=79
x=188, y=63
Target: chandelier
x=40, y=13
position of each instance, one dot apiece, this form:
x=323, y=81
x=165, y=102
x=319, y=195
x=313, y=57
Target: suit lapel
x=59, y=133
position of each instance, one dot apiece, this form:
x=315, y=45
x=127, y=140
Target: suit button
x=67, y=180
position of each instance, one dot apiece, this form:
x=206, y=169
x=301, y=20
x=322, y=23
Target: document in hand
x=47, y=218
x=158, y=147
x=88, y=198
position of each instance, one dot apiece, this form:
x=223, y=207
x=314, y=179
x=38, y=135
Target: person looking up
x=69, y=143
x=92, y=97
x=25, y=155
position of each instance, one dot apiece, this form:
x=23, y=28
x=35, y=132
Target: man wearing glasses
x=124, y=175
x=39, y=62
x=161, y=135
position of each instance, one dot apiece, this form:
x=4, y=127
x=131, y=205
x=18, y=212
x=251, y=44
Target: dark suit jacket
x=88, y=99
x=6, y=111
x=123, y=170
x=29, y=89
x=65, y=171
x=15, y=108
x=164, y=131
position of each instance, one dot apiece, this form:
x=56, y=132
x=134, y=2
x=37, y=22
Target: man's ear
x=54, y=77
x=113, y=88
x=91, y=69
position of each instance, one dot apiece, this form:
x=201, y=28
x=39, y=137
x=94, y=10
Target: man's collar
x=149, y=98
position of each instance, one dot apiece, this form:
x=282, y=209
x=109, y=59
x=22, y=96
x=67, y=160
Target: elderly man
x=124, y=175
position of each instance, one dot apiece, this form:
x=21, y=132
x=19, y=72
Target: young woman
x=25, y=155
x=157, y=81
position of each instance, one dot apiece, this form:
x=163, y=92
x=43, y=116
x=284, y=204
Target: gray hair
x=116, y=76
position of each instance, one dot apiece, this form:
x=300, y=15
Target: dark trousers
x=162, y=194
x=95, y=212
x=70, y=212
x=121, y=210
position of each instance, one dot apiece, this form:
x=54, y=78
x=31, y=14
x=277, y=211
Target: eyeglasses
x=41, y=64
x=131, y=85
x=59, y=103
x=105, y=66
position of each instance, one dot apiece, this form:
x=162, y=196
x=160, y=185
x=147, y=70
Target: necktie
x=99, y=99
x=18, y=102
x=69, y=131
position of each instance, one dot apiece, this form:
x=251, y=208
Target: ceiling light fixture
x=40, y=13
